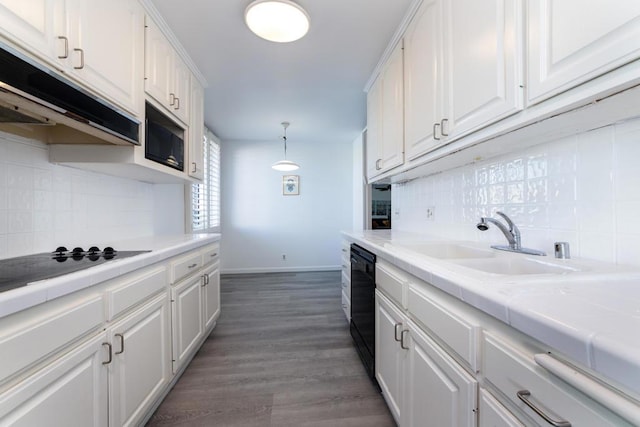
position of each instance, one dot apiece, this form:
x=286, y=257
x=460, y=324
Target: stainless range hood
x=32, y=95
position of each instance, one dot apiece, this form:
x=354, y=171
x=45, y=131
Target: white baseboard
x=280, y=269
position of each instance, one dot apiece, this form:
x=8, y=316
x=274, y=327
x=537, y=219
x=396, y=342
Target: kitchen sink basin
x=447, y=250
x=517, y=266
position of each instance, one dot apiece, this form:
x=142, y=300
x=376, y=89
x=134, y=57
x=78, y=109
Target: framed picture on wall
x=290, y=185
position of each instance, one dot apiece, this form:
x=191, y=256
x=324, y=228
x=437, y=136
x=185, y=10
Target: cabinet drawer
x=392, y=282
x=134, y=290
x=185, y=265
x=210, y=254
x=25, y=343
x=458, y=333
x=512, y=370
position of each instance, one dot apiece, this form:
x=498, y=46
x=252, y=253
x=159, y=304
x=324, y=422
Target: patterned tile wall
x=584, y=189
x=44, y=205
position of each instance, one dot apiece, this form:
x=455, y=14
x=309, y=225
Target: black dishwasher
x=363, y=317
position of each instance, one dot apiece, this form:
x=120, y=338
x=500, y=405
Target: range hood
x=32, y=95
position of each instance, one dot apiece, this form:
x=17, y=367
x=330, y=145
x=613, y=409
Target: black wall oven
x=363, y=318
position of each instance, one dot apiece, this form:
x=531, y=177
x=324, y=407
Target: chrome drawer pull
x=395, y=332
x=402, y=339
x=110, y=353
x=524, y=396
x=121, y=343
x=81, y=66
x=66, y=47
x=191, y=266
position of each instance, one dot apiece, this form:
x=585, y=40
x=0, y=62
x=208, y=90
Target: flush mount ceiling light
x=279, y=21
x=285, y=165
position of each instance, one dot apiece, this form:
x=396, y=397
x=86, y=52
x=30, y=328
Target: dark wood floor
x=281, y=355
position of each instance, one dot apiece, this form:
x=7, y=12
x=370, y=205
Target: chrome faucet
x=512, y=234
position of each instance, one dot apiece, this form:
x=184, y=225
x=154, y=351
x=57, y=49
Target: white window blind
x=205, y=197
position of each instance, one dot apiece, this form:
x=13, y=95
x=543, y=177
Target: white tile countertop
x=160, y=247
x=590, y=312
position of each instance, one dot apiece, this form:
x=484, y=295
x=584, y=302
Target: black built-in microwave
x=164, y=139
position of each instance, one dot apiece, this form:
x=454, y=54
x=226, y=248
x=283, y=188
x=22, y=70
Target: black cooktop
x=20, y=271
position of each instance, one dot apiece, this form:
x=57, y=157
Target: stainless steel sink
x=517, y=266
x=446, y=250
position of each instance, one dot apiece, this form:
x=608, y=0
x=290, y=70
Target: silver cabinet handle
x=192, y=265
x=81, y=58
x=344, y=250
x=121, y=343
x=215, y=254
x=110, y=353
x=395, y=332
x=442, y=122
x=402, y=339
x=205, y=279
x=524, y=396
x=435, y=131
x=354, y=260
x=195, y=167
x=177, y=106
x=378, y=167
x=172, y=98
x=66, y=47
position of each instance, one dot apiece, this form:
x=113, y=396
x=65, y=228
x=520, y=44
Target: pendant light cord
x=285, y=142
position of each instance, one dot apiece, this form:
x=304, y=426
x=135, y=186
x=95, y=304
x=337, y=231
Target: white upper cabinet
x=33, y=24
x=385, y=117
x=106, y=45
x=572, y=41
x=196, y=132
x=167, y=78
x=422, y=71
x=100, y=44
x=483, y=54
x=463, y=68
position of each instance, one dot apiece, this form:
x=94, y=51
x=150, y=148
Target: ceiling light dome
x=277, y=20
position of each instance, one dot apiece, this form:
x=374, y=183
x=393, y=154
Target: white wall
x=259, y=224
x=584, y=189
x=43, y=205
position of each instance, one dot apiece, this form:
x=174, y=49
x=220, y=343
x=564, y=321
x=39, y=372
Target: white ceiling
x=316, y=83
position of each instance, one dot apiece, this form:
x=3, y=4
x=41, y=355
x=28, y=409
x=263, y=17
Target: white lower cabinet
x=72, y=391
x=390, y=354
x=211, y=295
x=420, y=382
x=187, y=326
x=140, y=367
x=439, y=391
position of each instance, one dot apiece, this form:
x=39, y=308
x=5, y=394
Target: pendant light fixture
x=285, y=165
x=278, y=21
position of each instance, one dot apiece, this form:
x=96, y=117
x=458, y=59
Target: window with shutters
x=205, y=196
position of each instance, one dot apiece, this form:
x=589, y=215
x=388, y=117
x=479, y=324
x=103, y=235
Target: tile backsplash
x=583, y=189
x=43, y=205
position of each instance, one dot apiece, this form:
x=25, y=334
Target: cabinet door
x=374, y=129
x=493, y=414
x=422, y=71
x=392, y=143
x=72, y=391
x=483, y=53
x=141, y=365
x=196, y=132
x=572, y=41
x=211, y=295
x=439, y=391
x=34, y=25
x=390, y=356
x=158, y=74
x=110, y=36
x=186, y=311
x=181, y=89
